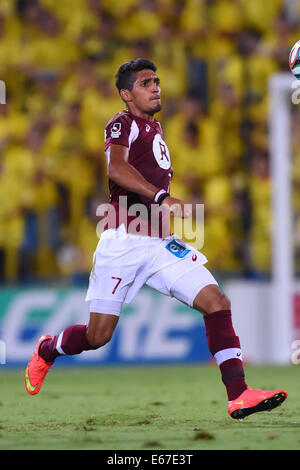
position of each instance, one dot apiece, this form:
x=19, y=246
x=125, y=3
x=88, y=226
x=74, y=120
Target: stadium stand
x=58, y=60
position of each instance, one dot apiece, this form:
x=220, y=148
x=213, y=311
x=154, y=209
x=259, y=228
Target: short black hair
x=126, y=74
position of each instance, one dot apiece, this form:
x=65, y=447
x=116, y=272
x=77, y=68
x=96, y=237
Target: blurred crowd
x=58, y=60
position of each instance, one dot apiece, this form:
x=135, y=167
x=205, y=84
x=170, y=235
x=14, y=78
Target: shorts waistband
x=120, y=232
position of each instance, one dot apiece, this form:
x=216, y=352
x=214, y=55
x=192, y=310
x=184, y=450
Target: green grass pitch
x=134, y=408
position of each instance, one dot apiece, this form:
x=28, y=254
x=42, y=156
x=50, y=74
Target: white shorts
x=123, y=263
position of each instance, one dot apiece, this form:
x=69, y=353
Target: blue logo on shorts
x=176, y=249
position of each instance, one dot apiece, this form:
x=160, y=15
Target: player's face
x=144, y=98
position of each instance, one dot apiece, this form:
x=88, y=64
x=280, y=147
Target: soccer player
x=139, y=168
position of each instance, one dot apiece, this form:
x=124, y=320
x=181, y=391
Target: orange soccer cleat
x=253, y=401
x=36, y=369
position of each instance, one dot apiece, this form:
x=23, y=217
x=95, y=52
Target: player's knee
x=99, y=338
x=211, y=299
x=218, y=302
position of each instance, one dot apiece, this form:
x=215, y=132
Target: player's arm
x=126, y=176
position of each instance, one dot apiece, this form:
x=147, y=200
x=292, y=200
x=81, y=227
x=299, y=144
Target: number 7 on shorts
x=117, y=284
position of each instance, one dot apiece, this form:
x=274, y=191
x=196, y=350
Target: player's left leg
x=78, y=338
x=72, y=340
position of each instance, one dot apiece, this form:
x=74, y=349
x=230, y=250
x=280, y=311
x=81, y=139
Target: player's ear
x=125, y=95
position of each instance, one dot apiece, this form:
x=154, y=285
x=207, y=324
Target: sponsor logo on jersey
x=177, y=250
x=116, y=130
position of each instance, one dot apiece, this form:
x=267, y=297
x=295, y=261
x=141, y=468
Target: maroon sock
x=69, y=342
x=224, y=345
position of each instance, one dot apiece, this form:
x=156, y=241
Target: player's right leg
x=225, y=347
x=191, y=283
x=73, y=340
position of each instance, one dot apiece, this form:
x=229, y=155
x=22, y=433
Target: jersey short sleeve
x=121, y=130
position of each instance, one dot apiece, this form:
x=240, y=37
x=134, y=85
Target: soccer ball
x=294, y=60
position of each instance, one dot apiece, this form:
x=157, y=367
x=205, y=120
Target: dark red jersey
x=148, y=154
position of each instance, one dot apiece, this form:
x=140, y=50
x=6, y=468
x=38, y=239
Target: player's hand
x=177, y=207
